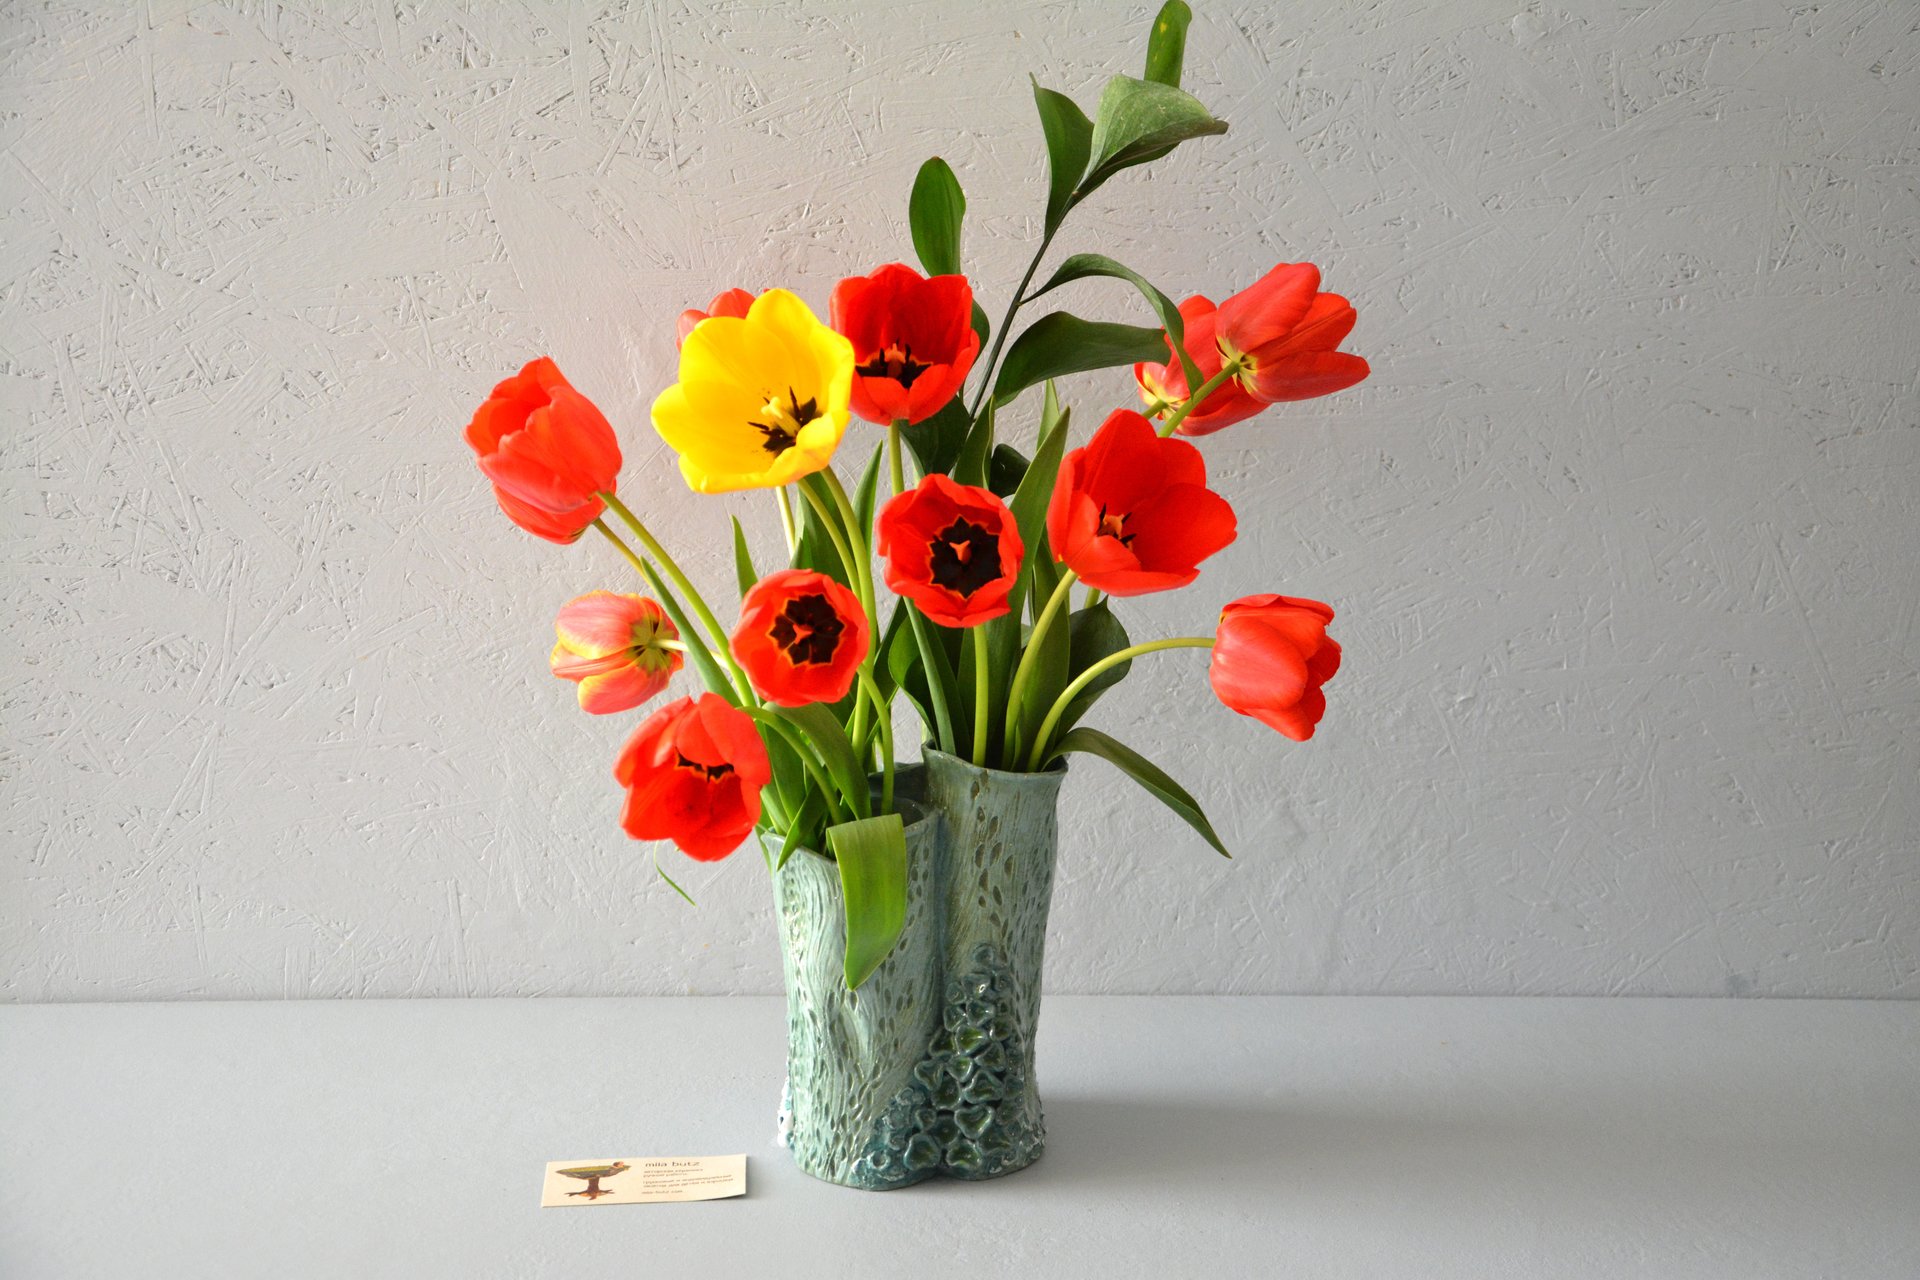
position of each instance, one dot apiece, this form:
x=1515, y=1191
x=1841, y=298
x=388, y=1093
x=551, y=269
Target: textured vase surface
x=928, y=1068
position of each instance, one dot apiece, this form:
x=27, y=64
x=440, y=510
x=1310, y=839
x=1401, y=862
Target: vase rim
x=1052, y=773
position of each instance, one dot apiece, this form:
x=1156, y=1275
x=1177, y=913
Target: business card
x=643, y=1180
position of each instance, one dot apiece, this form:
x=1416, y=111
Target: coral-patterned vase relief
x=921, y=536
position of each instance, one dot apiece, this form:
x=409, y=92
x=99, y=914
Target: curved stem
x=1000, y=334
x=857, y=538
x=721, y=641
x=786, y=520
x=1024, y=672
x=1193, y=401
x=980, y=697
x=1087, y=677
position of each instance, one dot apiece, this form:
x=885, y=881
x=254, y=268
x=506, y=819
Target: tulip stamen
x=964, y=557
x=1115, y=527
x=783, y=433
x=896, y=362
x=808, y=630
x=709, y=771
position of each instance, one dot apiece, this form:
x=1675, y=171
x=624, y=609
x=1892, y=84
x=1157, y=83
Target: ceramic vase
x=927, y=1069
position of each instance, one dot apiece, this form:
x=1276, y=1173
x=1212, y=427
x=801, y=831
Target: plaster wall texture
x=1623, y=531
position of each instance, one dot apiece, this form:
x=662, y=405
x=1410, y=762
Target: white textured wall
x=1622, y=533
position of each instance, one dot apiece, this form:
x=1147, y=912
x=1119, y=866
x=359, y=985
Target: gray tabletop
x=1187, y=1136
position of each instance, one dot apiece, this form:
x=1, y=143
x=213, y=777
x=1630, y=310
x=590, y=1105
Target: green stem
x=980, y=697
x=1094, y=596
x=882, y=711
x=893, y=456
x=839, y=540
x=721, y=641
x=1024, y=672
x=1193, y=401
x=857, y=538
x=802, y=749
x=1000, y=334
x=786, y=520
x=1087, y=677
x=936, y=687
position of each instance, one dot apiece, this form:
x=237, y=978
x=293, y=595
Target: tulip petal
x=1180, y=526
x=1302, y=377
x=620, y=690
x=1267, y=310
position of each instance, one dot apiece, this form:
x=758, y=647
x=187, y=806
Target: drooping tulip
x=563, y=527
x=1284, y=332
x=693, y=773
x=953, y=549
x=913, y=340
x=1164, y=386
x=1131, y=513
x=545, y=445
x=762, y=398
x=610, y=646
x=1271, y=654
x=732, y=302
x=802, y=637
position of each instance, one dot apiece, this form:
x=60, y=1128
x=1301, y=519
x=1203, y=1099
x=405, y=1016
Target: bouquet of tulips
x=971, y=508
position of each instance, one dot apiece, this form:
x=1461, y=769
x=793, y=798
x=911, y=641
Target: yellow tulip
x=762, y=399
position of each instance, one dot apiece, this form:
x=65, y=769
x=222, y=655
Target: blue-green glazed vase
x=927, y=1069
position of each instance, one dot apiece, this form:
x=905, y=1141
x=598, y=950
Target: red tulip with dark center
x=913, y=340
x=693, y=773
x=802, y=637
x=953, y=549
x=547, y=446
x=1270, y=656
x=1131, y=513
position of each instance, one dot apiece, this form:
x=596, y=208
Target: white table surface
x=1187, y=1136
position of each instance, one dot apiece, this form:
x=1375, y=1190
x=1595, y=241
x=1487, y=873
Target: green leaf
x=1167, y=46
x=1144, y=772
x=1029, y=501
x=981, y=326
x=704, y=663
x=1083, y=265
x=742, y=559
x=1095, y=634
x=829, y=738
x=872, y=856
x=1141, y=120
x=936, y=442
x=1005, y=470
x=1069, y=142
x=934, y=211
x=662, y=873
x=1058, y=344
x=866, y=493
x=813, y=810
x=815, y=549
x=971, y=466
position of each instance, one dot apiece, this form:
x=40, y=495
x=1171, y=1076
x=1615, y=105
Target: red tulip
x=1283, y=330
x=1131, y=513
x=1270, y=657
x=546, y=445
x=734, y=302
x=562, y=527
x=802, y=637
x=913, y=340
x=952, y=549
x=693, y=774
x=1164, y=386
x=610, y=646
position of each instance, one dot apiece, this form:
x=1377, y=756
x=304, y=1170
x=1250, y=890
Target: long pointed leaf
x=1069, y=137
x=1141, y=120
x=1029, y=501
x=742, y=559
x=934, y=211
x=1144, y=772
x=1167, y=46
x=1083, y=265
x=698, y=654
x=872, y=857
x=1059, y=343
x=829, y=738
